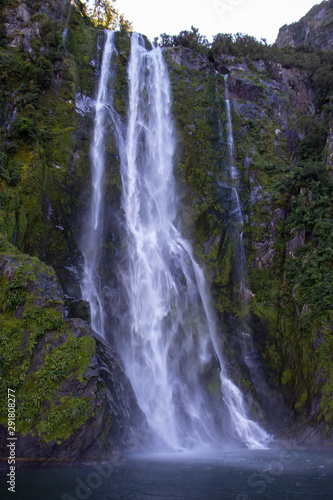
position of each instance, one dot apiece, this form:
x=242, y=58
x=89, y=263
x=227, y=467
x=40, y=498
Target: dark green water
x=241, y=475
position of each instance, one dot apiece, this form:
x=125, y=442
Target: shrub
x=26, y=129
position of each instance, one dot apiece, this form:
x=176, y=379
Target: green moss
x=64, y=417
x=301, y=402
x=38, y=354
x=15, y=293
x=39, y=144
x=104, y=437
x=214, y=387
x=286, y=376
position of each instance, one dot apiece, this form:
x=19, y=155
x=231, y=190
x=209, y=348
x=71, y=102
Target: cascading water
x=232, y=168
x=91, y=283
x=248, y=430
x=167, y=338
x=229, y=194
x=165, y=345
x=65, y=30
x=172, y=334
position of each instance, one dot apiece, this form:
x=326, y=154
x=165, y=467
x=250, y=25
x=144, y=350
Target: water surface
x=240, y=475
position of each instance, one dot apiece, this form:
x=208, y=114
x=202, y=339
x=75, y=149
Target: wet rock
x=70, y=281
x=78, y=308
x=84, y=104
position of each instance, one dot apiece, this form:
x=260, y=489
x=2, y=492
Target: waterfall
x=229, y=195
x=163, y=350
x=232, y=168
x=65, y=30
x=167, y=336
x=91, y=282
x=249, y=431
x=172, y=334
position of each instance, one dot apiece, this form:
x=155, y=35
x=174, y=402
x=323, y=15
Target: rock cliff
x=314, y=29
x=74, y=400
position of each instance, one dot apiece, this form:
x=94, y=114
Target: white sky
x=258, y=18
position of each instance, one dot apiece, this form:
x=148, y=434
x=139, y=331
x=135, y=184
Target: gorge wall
x=282, y=118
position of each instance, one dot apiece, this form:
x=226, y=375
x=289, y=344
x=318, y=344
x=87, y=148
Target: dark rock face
x=242, y=89
x=314, y=29
x=78, y=308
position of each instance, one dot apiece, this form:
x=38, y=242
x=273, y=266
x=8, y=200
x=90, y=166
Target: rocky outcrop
x=265, y=251
x=314, y=29
x=187, y=57
x=294, y=244
x=24, y=20
x=73, y=399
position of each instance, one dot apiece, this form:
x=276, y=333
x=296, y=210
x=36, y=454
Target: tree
x=124, y=24
x=105, y=15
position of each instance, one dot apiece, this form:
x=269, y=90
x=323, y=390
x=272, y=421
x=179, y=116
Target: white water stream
x=91, y=283
x=170, y=338
x=65, y=30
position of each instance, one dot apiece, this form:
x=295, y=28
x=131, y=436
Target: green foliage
x=45, y=320
x=11, y=66
x=312, y=210
x=63, y=418
x=14, y=174
x=298, y=316
x=326, y=405
x=239, y=45
x=322, y=77
x=198, y=162
x=3, y=166
x=39, y=356
x=311, y=147
x=25, y=129
x=188, y=39
x=37, y=92
x=41, y=71
x=103, y=14
x=16, y=291
x=286, y=376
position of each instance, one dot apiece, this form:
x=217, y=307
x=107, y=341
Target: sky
x=258, y=18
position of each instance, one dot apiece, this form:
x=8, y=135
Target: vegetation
x=105, y=15
x=187, y=39
x=316, y=62
x=290, y=292
x=281, y=157
x=39, y=370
